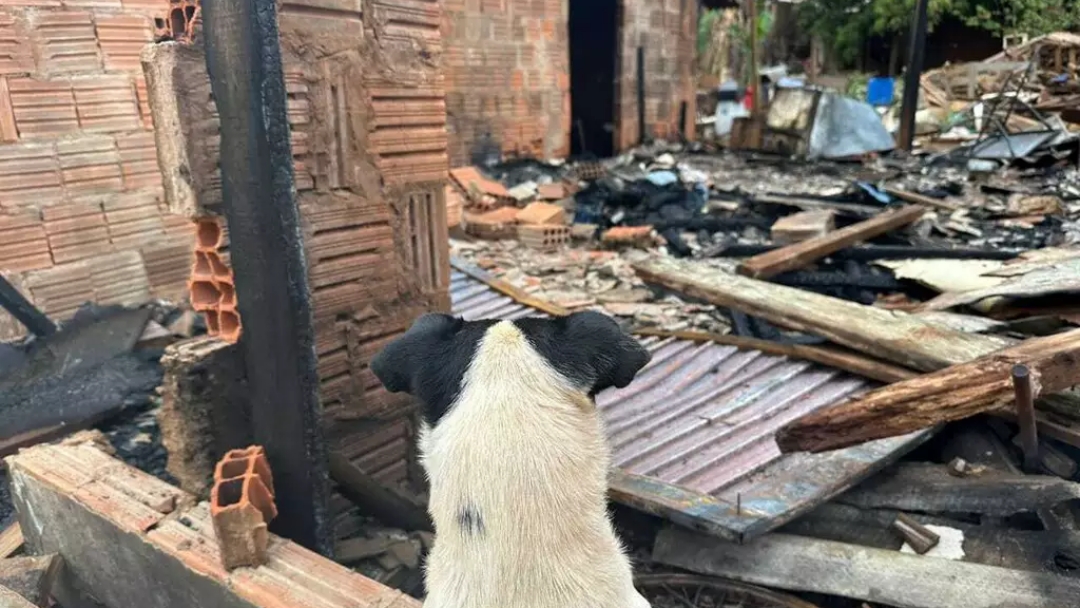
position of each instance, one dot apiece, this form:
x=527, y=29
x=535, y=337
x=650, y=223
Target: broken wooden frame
x=894, y=336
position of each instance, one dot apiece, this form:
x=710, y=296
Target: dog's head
x=588, y=350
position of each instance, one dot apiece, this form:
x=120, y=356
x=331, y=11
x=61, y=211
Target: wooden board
x=903, y=580
x=953, y=393
x=804, y=253
x=11, y=540
x=923, y=487
x=886, y=334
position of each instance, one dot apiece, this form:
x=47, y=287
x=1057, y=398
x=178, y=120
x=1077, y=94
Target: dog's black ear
x=399, y=364
x=614, y=356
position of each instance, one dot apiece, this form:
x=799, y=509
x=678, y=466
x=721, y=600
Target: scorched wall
x=82, y=216
x=508, y=73
x=368, y=131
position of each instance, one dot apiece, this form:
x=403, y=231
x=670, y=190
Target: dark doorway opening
x=593, y=45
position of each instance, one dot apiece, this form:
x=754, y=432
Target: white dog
x=517, y=458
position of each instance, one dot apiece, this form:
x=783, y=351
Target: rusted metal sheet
x=692, y=436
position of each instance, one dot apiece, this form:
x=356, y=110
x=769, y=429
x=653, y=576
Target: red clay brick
x=43, y=108
x=230, y=325
x=65, y=42
x=168, y=265
x=138, y=161
x=8, y=131
x=76, y=231
x=241, y=505
x=628, y=235
x=16, y=52
x=107, y=103
x=122, y=38
x=542, y=213
x=543, y=237
x=90, y=165
x=470, y=179
x=119, y=278
x=497, y=224
x=143, y=98
x=59, y=291
x=204, y=295
x=29, y=175
x=23, y=244
x=134, y=220
x=209, y=235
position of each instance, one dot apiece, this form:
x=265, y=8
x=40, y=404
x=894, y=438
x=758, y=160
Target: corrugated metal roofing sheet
x=692, y=436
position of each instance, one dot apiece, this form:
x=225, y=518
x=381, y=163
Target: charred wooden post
x=243, y=59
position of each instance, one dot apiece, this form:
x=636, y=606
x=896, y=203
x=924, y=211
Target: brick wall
x=507, y=75
x=367, y=120
x=668, y=31
x=81, y=210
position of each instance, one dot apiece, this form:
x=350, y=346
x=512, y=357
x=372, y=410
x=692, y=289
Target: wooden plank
x=804, y=253
x=837, y=358
x=953, y=393
x=1030, y=550
x=11, y=540
x=892, y=335
x=376, y=499
x=903, y=580
x=929, y=488
x=919, y=199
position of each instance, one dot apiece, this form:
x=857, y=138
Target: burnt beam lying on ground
x=956, y=392
x=895, y=336
x=804, y=253
x=243, y=57
x=798, y=563
x=930, y=488
x=161, y=549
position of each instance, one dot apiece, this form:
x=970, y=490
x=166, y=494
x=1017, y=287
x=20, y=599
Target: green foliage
x=845, y=25
x=705, y=30
x=1007, y=17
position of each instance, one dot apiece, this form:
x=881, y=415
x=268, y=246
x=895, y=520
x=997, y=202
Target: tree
x=1008, y=17
x=846, y=25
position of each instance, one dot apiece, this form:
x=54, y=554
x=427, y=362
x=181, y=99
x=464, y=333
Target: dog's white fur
x=526, y=451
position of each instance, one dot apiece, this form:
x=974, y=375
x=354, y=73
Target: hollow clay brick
x=208, y=234
x=43, y=108
x=241, y=505
x=204, y=295
x=65, y=41
x=121, y=38
x=229, y=325
x=542, y=213
x=544, y=237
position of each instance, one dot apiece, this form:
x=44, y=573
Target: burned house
x=554, y=77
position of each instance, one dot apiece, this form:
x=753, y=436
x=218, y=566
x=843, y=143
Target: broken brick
x=241, y=505
x=552, y=192
x=497, y=224
x=470, y=180
x=31, y=577
x=628, y=235
x=542, y=213
x=119, y=278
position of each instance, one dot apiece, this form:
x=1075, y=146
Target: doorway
x=593, y=46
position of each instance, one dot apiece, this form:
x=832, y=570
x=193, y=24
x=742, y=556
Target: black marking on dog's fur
x=470, y=521
x=429, y=361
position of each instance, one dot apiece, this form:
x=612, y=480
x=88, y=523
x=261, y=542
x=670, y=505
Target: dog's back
x=518, y=466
